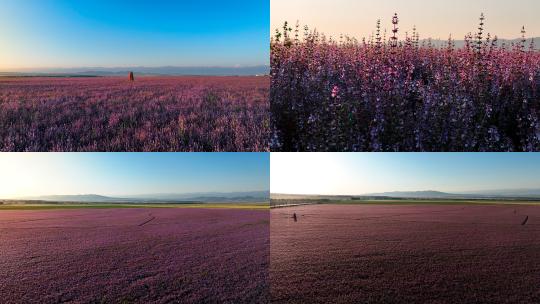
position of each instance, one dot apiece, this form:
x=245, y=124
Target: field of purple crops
x=400, y=93
x=405, y=254
x=150, y=114
x=134, y=256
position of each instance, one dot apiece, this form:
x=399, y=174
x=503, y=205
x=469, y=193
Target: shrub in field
x=151, y=114
x=382, y=94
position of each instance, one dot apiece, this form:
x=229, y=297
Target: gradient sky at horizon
x=361, y=173
x=433, y=19
x=117, y=174
x=121, y=33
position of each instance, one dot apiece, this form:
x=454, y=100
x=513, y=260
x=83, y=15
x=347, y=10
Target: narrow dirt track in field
x=70, y=218
x=148, y=220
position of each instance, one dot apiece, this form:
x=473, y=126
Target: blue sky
x=359, y=173
x=33, y=174
x=100, y=33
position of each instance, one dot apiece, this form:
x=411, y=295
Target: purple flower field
x=150, y=114
x=405, y=254
x=400, y=93
x=134, y=256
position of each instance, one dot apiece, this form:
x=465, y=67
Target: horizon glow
x=119, y=174
x=363, y=173
x=36, y=34
x=435, y=19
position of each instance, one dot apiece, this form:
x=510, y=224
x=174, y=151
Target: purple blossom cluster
x=150, y=114
x=390, y=94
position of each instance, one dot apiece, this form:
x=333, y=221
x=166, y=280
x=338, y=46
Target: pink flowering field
x=149, y=114
x=396, y=92
x=405, y=254
x=158, y=255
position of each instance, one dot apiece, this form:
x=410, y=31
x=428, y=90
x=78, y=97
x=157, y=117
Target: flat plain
x=151, y=114
x=405, y=253
x=134, y=255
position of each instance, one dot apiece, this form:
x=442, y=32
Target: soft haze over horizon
x=37, y=34
x=362, y=173
x=433, y=19
x=122, y=174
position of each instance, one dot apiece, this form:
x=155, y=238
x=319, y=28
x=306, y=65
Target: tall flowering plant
x=382, y=94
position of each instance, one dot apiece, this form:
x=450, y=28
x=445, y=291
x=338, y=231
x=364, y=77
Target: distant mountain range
x=84, y=198
x=145, y=71
x=510, y=193
x=500, y=42
x=204, y=197
x=503, y=194
x=415, y=194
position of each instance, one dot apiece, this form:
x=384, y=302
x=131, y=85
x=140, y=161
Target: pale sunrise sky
x=120, y=174
x=361, y=173
x=433, y=18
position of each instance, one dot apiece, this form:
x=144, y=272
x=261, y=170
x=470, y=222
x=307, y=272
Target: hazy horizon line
x=140, y=66
x=428, y=190
x=136, y=195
